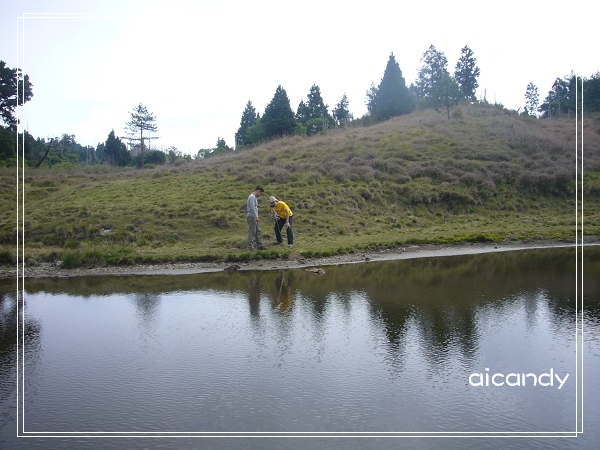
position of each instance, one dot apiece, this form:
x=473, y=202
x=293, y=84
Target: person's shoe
x=290, y=245
x=277, y=243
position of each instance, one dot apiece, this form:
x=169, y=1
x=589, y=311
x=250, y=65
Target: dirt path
x=407, y=252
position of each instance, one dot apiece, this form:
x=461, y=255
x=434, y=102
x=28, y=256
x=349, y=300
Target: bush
x=92, y=257
x=155, y=157
x=6, y=257
x=71, y=260
x=548, y=183
x=221, y=221
x=277, y=175
x=72, y=244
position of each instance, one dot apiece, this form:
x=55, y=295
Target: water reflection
x=283, y=295
x=12, y=311
x=440, y=296
x=254, y=297
x=358, y=344
x=147, y=307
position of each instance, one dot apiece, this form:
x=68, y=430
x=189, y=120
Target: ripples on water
x=370, y=348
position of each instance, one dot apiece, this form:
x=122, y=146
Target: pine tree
x=141, y=120
x=278, y=119
x=392, y=97
x=591, y=93
x=341, y=114
x=563, y=98
x=435, y=86
x=431, y=73
x=249, y=117
x=466, y=73
x=448, y=92
x=532, y=99
x=302, y=113
x=315, y=104
x=220, y=149
x=115, y=151
x=256, y=133
x=314, y=114
x=371, y=97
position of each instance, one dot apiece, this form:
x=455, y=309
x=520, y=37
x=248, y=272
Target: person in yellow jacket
x=283, y=218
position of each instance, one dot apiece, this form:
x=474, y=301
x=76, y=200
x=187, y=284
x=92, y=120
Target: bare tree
x=532, y=100
x=141, y=120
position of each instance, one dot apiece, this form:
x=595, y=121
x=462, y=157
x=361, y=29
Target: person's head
x=272, y=201
x=258, y=191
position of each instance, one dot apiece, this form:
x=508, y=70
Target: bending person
x=283, y=218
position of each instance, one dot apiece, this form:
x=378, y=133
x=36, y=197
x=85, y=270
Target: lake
x=446, y=352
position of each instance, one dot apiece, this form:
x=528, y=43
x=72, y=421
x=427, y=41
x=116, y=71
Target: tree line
x=435, y=87
x=565, y=97
x=65, y=151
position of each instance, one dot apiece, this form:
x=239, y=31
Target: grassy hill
x=486, y=174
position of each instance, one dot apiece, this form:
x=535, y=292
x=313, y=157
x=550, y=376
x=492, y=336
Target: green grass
x=488, y=177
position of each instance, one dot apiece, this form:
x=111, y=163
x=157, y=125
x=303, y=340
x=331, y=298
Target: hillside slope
x=486, y=174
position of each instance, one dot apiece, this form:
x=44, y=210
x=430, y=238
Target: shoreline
x=46, y=270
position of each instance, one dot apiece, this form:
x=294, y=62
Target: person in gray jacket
x=254, y=234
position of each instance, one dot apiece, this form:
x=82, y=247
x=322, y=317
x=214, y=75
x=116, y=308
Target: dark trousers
x=280, y=225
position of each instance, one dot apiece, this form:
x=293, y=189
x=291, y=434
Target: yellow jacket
x=282, y=209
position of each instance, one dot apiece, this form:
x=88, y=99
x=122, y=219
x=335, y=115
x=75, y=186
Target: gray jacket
x=252, y=206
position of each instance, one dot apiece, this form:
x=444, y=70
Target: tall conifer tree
x=278, y=119
x=434, y=84
x=341, y=113
x=466, y=73
x=249, y=117
x=431, y=74
x=392, y=97
x=116, y=151
x=314, y=113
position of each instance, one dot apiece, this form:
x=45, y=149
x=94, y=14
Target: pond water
x=363, y=356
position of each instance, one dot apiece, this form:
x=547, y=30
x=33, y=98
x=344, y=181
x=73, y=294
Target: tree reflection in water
x=374, y=345
x=440, y=297
x=11, y=313
x=147, y=307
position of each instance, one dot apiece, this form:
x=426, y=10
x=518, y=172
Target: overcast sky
x=195, y=64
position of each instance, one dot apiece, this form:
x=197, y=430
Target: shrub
x=155, y=157
x=431, y=171
x=72, y=244
x=71, y=260
x=277, y=175
x=6, y=257
x=221, y=221
x=550, y=183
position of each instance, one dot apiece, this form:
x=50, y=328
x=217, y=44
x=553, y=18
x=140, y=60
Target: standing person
x=253, y=221
x=283, y=218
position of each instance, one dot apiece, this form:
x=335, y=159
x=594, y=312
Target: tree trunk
x=142, y=146
x=43, y=157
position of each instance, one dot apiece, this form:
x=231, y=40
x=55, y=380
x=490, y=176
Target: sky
x=195, y=64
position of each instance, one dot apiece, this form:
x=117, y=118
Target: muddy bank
x=406, y=252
